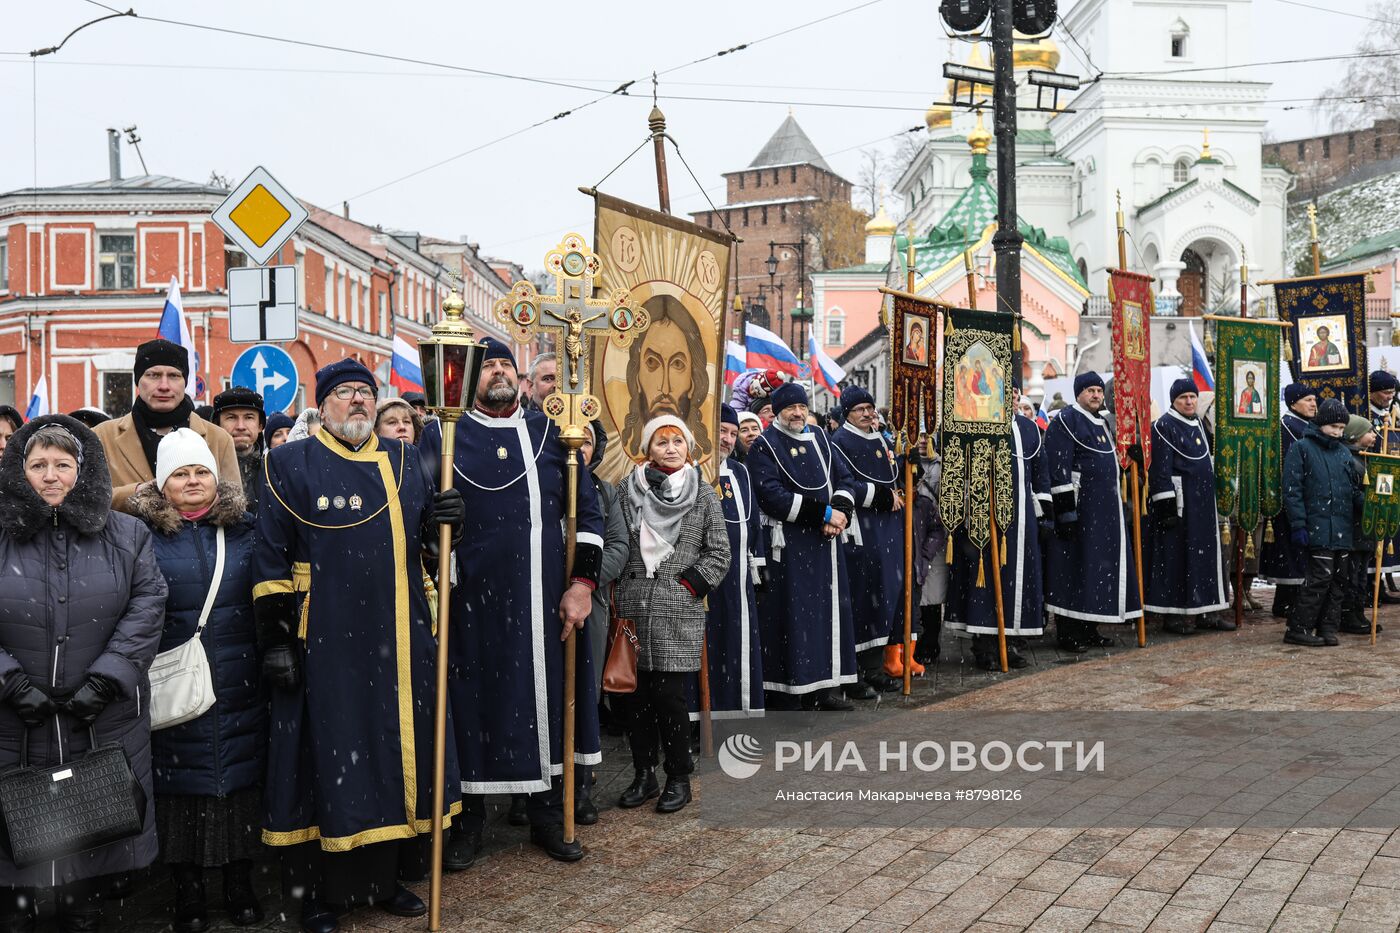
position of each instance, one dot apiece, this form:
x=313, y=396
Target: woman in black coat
x=81, y=604
x=208, y=771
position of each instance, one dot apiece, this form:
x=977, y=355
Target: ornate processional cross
x=572, y=315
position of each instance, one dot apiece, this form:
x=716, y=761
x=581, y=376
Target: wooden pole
x=707, y=728
x=444, y=590
x=996, y=580
x=1136, y=489
x=1376, y=590
x=657, y=122
x=1313, y=242
x=572, y=443
x=909, y=568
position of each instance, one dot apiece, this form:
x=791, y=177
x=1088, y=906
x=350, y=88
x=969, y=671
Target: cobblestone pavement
x=646, y=872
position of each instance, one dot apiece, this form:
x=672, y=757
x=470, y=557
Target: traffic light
x=966, y=15
x=1033, y=17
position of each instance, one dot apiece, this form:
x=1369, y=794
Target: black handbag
x=85, y=803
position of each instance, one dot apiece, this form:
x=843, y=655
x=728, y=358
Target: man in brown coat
x=130, y=442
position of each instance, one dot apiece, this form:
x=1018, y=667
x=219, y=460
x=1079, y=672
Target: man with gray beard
x=348, y=651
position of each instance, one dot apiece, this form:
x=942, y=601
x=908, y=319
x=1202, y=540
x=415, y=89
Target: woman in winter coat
x=81, y=604
x=679, y=551
x=208, y=771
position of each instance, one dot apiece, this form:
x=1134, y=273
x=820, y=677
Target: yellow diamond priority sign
x=259, y=215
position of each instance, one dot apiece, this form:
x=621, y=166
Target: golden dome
x=979, y=139
x=1043, y=54
x=938, y=115
x=881, y=224
x=979, y=91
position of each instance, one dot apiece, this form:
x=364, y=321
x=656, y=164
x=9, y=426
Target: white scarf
x=659, y=518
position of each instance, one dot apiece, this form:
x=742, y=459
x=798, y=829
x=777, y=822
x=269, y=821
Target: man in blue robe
x=972, y=609
x=347, y=643
x=808, y=494
x=512, y=607
x=1281, y=562
x=875, y=561
x=1184, y=573
x=732, y=641
x=1089, y=570
x=1384, y=413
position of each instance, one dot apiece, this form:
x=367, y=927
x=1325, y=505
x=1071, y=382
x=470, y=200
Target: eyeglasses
x=346, y=393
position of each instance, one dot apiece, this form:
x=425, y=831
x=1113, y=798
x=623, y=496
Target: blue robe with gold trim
x=507, y=673
x=732, y=639
x=808, y=639
x=876, y=561
x=351, y=750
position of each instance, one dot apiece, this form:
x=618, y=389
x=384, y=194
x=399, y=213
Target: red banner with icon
x=1131, y=297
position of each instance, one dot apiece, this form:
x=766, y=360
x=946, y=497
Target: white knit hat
x=750, y=416
x=181, y=448
x=665, y=421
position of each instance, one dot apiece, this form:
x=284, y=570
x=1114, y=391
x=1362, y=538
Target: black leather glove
x=91, y=698
x=1135, y=455
x=31, y=704
x=1164, y=512
x=281, y=667
x=448, y=508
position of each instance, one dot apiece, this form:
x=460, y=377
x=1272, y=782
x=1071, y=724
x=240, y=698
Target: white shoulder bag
x=182, y=687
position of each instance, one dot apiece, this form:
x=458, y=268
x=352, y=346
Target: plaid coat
x=670, y=621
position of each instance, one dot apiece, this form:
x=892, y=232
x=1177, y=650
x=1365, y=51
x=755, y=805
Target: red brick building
x=769, y=202
x=84, y=270
x=1319, y=162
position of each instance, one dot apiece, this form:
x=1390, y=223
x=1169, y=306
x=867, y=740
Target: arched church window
x=1083, y=269
x=1178, y=35
x=1180, y=171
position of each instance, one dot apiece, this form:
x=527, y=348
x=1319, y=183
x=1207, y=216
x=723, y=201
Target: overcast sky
x=333, y=126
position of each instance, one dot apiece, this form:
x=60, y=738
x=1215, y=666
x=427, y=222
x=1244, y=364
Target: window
x=1375, y=139
x=329, y=294
x=758, y=179
x=776, y=179
x=116, y=393
x=7, y=388
x=1351, y=143
x=4, y=266
x=764, y=221
x=746, y=217
x=1178, y=46
x=1303, y=149
x=1180, y=171
x=1078, y=193
x=117, y=260
x=835, y=331
x=383, y=313
x=793, y=170
x=1178, y=34
x=782, y=213
x=726, y=219
x=741, y=181
x=710, y=220
x=1327, y=147
x=301, y=280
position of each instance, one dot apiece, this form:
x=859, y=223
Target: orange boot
x=894, y=666
x=915, y=668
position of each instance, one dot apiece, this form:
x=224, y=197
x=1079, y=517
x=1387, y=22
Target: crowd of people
x=304, y=552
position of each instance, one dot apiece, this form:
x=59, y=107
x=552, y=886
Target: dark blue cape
x=350, y=755
x=973, y=608
x=507, y=673
x=1091, y=575
x=1183, y=569
x=808, y=641
x=732, y=641
x=876, y=561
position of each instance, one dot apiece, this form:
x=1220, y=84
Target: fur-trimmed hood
x=158, y=512
x=23, y=512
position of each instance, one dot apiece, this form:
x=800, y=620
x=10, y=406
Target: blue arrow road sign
x=269, y=371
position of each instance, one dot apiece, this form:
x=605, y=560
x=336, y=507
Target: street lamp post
x=800, y=315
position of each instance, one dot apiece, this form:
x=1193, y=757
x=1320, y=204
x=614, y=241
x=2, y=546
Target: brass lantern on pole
x=451, y=365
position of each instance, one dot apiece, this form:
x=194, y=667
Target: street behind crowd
x=645, y=873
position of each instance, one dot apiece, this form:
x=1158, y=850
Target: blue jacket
x=1322, y=490
x=225, y=750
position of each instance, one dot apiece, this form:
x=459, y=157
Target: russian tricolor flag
x=766, y=350
x=825, y=372
x=734, y=361
x=39, y=401
x=405, y=373
x=174, y=328
x=1200, y=368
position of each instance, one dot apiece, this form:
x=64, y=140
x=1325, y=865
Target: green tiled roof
x=1238, y=190
x=1369, y=246
x=968, y=219
x=1172, y=193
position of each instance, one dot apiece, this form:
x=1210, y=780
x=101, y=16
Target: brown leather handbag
x=620, y=671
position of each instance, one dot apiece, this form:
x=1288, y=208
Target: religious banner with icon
x=1131, y=297
x=913, y=376
x=678, y=274
x=1248, y=459
x=1328, y=339
x=1380, y=513
x=975, y=430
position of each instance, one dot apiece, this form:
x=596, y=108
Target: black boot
x=551, y=839
x=642, y=789
x=927, y=648
x=461, y=850
x=1297, y=636
x=675, y=796
x=585, y=810
x=516, y=816
x=240, y=901
x=80, y=919
x=317, y=917
x=860, y=690
x=830, y=700
x=191, y=911
x=1285, y=595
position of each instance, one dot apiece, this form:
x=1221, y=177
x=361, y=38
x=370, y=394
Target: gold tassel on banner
x=1225, y=535
x=1269, y=533
x=1207, y=339
x=1390, y=547
x=981, y=569
x=1249, y=547
x=1016, y=338
x=1287, y=348
x=949, y=560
